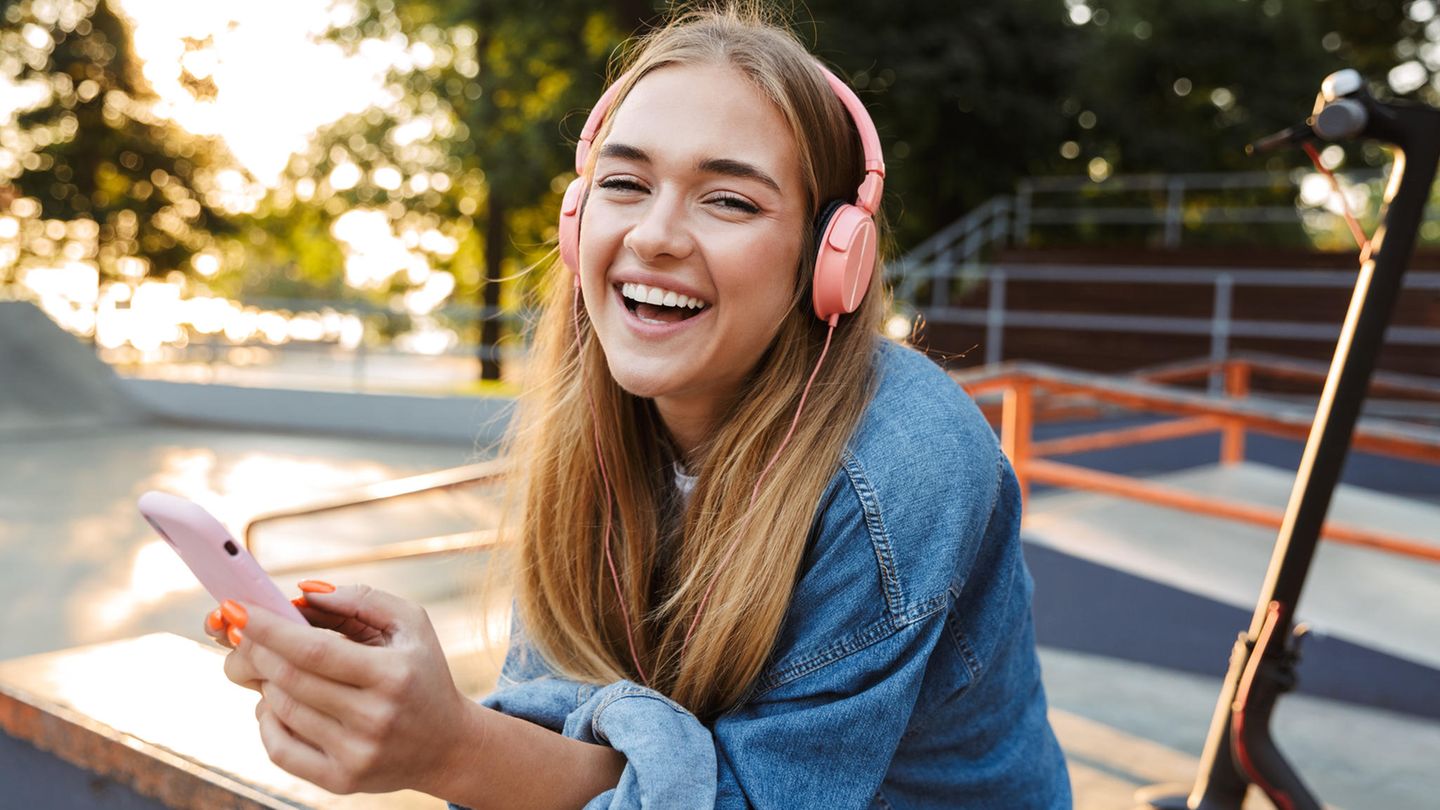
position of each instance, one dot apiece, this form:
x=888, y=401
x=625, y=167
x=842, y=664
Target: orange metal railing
x=1029, y=393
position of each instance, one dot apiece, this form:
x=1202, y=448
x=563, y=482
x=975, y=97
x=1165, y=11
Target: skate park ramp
x=50, y=380
x=1154, y=585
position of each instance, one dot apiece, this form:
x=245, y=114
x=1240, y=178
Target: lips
x=657, y=320
x=654, y=304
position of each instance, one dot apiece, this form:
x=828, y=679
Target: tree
x=971, y=97
x=964, y=95
x=498, y=82
x=132, y=192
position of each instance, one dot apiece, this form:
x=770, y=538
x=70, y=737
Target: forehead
x=688, y=113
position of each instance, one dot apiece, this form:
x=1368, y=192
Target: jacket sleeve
x=826, y=744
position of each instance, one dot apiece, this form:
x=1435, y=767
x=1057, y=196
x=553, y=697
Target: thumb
x=359, y=612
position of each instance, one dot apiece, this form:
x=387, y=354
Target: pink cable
x=609, y=498
x=755, y=493
x=1355, y=230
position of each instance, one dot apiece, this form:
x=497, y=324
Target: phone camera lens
x=230, y=547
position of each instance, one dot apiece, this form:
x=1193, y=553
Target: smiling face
x=691, y=238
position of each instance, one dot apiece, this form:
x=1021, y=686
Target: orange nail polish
x=234, y=635
x=234, y=612
x=316, y=586
x=215, y=620
x=299, y=602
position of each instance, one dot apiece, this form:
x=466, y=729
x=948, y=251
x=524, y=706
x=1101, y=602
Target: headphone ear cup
x=844, y=261
x=569, y=230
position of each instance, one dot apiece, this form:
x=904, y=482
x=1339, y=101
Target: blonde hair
x=666, y=560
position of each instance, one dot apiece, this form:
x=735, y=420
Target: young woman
x=765, y=557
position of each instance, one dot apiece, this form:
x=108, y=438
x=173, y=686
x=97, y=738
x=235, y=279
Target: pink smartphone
x=222, y=565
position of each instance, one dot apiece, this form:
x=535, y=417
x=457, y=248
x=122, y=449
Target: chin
x=646, y=383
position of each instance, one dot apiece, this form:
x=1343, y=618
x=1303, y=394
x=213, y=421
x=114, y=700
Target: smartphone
x=222, y=565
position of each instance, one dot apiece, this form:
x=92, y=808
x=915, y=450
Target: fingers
x=314, y=650
x=240, y=669
x=359, y=610
x=331, y=697
x=350, y=627
x=225, y=623
x=215, y=627
x=310, y=725
x=293, y=754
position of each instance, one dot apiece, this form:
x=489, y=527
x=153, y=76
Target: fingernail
x=215, y=620
x=299, y=602
x=235, y=612
x=316, y=586
x=234, y=635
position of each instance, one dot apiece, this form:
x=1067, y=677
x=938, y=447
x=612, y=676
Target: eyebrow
x=726, y=166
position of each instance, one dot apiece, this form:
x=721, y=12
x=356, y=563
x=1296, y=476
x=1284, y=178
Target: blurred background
x=276, y=257
x=254, y=191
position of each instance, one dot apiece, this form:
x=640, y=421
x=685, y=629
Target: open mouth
x=658, y=305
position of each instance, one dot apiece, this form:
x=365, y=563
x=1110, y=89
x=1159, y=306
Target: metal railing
x=952, y=260
x=1221, y=326
x=1029, y=393
x=469, y=475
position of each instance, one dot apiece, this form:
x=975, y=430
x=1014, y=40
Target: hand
x=225, y=623
x=371, y=709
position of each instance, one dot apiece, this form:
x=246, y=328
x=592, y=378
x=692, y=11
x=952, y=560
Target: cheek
x=599, y=241
x=766, y=276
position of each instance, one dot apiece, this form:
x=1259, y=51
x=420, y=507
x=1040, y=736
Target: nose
x=661, y=231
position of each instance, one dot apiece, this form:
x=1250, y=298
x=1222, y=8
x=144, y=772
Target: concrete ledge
x=480, y=420
x=154, y=715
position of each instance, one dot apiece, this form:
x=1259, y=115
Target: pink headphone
x=846, y=231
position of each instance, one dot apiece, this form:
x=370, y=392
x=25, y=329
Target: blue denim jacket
x=905, y=675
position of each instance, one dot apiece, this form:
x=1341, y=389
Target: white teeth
x=655, y=295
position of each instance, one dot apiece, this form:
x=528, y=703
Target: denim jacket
x=905, y=674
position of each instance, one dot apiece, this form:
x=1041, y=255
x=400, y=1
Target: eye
x=619, y=184
x=735, y=203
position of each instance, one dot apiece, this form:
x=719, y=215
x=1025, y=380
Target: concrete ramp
x=1147, y=583
x=50, y=380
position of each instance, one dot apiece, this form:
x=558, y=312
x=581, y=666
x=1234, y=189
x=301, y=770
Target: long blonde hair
x=666, y=559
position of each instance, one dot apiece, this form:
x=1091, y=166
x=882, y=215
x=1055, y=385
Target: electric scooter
x=1239, y=750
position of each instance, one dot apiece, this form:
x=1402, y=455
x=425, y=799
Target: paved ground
x=1142, y=725
x=79, y=565
x=1390, y=602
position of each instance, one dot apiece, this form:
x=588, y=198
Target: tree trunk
x=495, y=241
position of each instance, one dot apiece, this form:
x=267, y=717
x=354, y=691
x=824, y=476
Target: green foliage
x=971, y=97
x=287, y=253
x=1183, y=87
x=91, y=149
x=964, y=95
x=472, y=142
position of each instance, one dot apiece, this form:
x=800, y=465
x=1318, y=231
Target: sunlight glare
x=157, y=572
x=276, y=78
